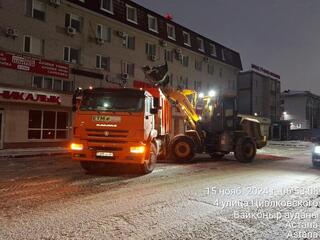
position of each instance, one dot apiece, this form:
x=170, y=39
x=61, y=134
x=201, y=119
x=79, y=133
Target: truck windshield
x=111, y=102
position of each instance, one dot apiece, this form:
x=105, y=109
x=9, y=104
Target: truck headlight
x=137, y=149
x=76, y=146
x=316, y=149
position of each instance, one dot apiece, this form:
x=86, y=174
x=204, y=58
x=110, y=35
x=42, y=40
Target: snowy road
x=276, y=197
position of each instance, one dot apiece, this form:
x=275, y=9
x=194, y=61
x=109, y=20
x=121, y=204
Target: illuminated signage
x=29, y=96
x=265, y=71
x=33, y=64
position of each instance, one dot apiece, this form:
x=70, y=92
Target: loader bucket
x=157, y=75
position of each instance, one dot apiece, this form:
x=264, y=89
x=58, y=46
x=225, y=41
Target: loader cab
x=219, y=114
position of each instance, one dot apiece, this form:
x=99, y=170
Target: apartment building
x=50, y=47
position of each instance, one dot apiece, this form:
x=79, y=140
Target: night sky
x=282, y=36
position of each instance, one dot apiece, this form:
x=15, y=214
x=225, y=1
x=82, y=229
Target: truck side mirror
x=154, y=111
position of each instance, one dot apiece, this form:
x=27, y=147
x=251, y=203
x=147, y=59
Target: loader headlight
x=76, y=146
x=316, y=149
x=212, y=93
x=137, y=149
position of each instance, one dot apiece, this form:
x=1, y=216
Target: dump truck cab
x=115, y=125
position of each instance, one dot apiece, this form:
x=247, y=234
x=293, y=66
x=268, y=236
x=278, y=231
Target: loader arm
x=158, y=77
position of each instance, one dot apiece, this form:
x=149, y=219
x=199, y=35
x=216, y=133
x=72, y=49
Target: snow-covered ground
x=51, y=198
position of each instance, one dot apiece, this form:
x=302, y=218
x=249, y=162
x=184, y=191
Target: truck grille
x=102, y=133
x=113, y=149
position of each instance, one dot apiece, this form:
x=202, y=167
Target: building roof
x=223, y=54
x=289, y=93
x=258, y=73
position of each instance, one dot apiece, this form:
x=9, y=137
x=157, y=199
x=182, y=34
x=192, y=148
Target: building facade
x=259, y=95
x=302, y=109
x=50, y=47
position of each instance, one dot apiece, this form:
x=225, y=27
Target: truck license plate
x=104, y=154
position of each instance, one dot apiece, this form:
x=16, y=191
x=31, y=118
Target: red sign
x=33, y=64
x=29, y=96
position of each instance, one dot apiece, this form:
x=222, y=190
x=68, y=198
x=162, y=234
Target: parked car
x=316, y=155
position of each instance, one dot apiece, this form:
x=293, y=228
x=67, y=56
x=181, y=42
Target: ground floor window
x=48, y=125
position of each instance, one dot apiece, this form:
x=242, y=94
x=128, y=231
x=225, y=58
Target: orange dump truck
x=120, y=125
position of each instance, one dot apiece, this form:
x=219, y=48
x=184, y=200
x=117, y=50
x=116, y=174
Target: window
x=129, y=42
x=186, y=39
x=222, y=55
x=73, y=21
x=103, y=62
x=171, y=32
x=67, y=86
x=37, y=82
x=200, y=44
x=151, y=49
x=71, y=55
x=197, y=85
x=185, y=61
x=212, y=50
x=27, y=44
x=47, y=83
x=127, y=68
x=103, y=32
x=57, y=85
x=106, y=5
x=48, y=125
x=51, y=84
x=210, y=68
x=152, y=23
x=220, y=72
x=198, y=65
x=183, y=83
x=36, y=9
x=132, y=15
x=33, y=45
x=168, y=55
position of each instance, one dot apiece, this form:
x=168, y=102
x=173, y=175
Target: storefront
x=31, y=118
x=35, y=102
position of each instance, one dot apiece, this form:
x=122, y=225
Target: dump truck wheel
x=245, y=150
x=87, y=166
x=182, y=149
x=217, y=155
x=148, y=166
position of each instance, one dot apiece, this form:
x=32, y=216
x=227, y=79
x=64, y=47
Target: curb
x=33, y=155
x=289, y=145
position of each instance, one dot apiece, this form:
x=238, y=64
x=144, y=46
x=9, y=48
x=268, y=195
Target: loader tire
x=245, y=150
x=182, y=149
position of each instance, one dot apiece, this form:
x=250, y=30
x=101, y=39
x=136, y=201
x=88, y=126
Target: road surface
x=276, y=197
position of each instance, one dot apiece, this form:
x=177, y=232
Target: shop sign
x=28, y=96
x=33, y=64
